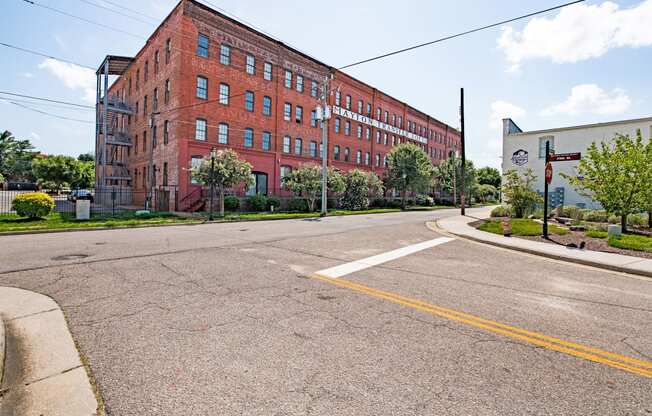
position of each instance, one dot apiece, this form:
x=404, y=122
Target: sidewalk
x=459, y=226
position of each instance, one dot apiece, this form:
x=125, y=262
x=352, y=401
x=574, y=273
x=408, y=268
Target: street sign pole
x=545, y=193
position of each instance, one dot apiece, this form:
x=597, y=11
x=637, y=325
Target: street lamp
x=213, y=156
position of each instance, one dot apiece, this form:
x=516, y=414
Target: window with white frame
x=287, y=111
x=347, y=102
x=298, y=114
x=202, y=46
x=359, y=131
x=347, y=154
x=223, y=133
x=267, y=71
x=288, y=78
x=286, y=144
x=337, y=124
x=225, y=54
x=313, y=148
x=267, y=106
x=200, y=129
x=251, y=64
x=224, y=93
x=248, y=137
x=202, y=88
x=360, y=106
x=249, y=101
x=338, y=98
x=336, y=152
x=298, y=146
x=347, y=128
x=314, y=89
x=299, y=85
x=267, y=140
x=358, y=157
x=195, y=164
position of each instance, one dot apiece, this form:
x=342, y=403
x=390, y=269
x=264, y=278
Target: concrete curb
x=607, y=261
x=43, y=373
x=2, y=349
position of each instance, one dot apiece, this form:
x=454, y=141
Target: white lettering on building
x=377, y=124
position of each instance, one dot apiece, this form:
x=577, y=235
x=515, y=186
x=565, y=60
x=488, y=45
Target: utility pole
x=545, y=194
x=150, y=176
x=463, y=175
x=213, y=155
x=325, y=115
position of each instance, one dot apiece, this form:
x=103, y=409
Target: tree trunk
x=221, y=201
x=404, y=195
x=649, y=219
x=623, y=223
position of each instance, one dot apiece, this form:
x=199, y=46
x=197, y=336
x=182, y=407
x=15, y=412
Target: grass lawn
x=522, y=227
x=626, y=241
x=57, y=221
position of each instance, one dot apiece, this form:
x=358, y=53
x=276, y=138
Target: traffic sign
x=548, y=173
x=562, y=157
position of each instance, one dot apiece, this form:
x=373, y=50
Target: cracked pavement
x=224, y=319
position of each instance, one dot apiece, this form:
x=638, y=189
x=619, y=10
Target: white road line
x=356, y=266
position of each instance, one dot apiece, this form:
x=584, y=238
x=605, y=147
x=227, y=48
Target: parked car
x=22, y=186
x=77, y=194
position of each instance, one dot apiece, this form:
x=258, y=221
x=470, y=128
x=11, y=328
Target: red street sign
x=561, y=157
x=548, y=173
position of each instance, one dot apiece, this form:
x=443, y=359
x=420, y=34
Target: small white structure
x=83, y=209
x=526, y=149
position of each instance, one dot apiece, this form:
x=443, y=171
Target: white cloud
x=578, y=33
x=591, y=99
x=501, y=110
x=35, y=135
x=27, y=75
x=73, y=77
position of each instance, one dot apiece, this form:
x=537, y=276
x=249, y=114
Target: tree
x=228, y=171
x=486, y=192
x=84, y=175
x=488, y=176
x=647, y=191
x=15, y=157
x=449, y=177
x=306, y=181
x=408, y=169
x=86, y=157
x=518, y=192
x=614, y=174
x=55, y=172
x=359, y=186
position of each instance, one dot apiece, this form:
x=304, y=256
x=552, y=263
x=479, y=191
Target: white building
x=526, y=149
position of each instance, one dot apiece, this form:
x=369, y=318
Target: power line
x=45, y=99
x=99, y=6
x=83, y=19
x=45, y=55
x=40, y=104
x=47, y=113
x=459, y=34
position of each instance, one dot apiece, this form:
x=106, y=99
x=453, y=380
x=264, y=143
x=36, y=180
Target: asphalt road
x=230, y=319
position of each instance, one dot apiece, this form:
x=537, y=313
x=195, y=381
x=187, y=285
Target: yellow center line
x=632, y=365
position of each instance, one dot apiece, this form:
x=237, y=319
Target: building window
x=224, y=94
x=378, y=113
x=251, y=65
x=286, y=144
x=298, y=117
x=285, y=171
x=287, y=112
x=145, y=140
x=168, y=50
x=202, y=45
x=367, y=158
x=409, y=125
x=347, y=154
x=167, y=91
x=156, y=61
x=336, y=152
x=360, y=106
x=248, y=137
x=338, y=98
x=378, y=159
x=166, y=131
x=400, y=122
x=249, y=101
x=368, y=109
x=155, y=100
x=200, y=129
x=313, y=149
x=146, y=71
x=260, y=184
x=358, y=157
x=225, y=54
x=386, y=117
x=195, y=164
x=359, y=133
x=542, y=146
x=137, y=79
x=154, y=136
x=337, y=124
x=288, y=78
x=368, y=136
x=223, y=133
x=394, y=120
x=347, y=128
x=313, y=88
x=298, y=145
x=347, y=102
x=267, y=106
x=385, y=139
x=385, y=162
x=377, y=136
x=165, y=173
x=267, y=71
x=299, y=83
x=202, y=88
x=313, y=118
x=267, y=140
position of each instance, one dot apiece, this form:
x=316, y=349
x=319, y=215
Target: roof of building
x=582, y=126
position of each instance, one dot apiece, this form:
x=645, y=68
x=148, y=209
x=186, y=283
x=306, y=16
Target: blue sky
x=588, y=63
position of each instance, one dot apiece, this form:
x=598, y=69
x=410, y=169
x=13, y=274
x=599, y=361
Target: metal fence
x=106, y=202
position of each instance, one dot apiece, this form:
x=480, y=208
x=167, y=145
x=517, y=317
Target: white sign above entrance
x=339, y=111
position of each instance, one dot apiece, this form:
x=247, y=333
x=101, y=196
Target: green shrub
x=639, y=220
x=595, y=215
x=394, y=203
x=613, y=219
x=257, y=202
x=538, y=214
x=571, y=211
x=379, y=203
x=425, y=201
x=33, y=205
x=273, y=201
x=231, y=203
x=501, y=211
x=298, y=205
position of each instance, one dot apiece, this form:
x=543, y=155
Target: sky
x=586, y=63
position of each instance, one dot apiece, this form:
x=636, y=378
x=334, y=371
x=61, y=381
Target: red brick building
x=205, y=80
